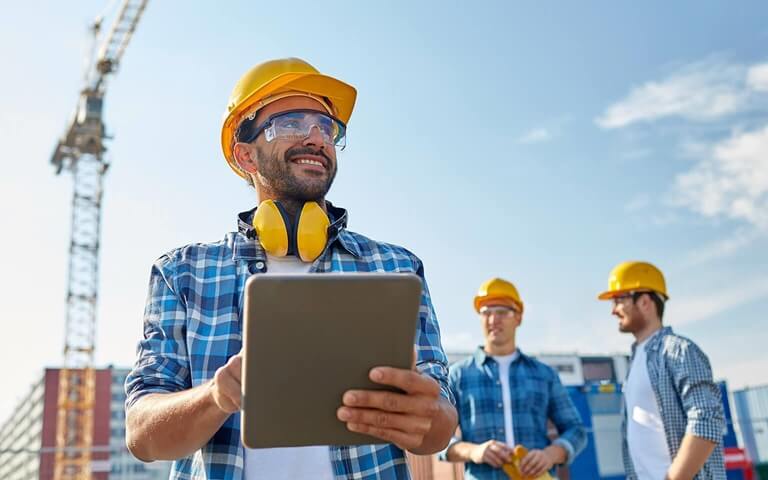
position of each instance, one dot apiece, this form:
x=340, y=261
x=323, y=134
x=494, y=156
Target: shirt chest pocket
x=531, y=394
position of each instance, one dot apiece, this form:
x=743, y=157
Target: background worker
x=504, y=397
x=673, y=412
x=283, y=124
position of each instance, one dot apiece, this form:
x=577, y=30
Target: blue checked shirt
x=536, y=394
x=689, y=401
x=192, y=325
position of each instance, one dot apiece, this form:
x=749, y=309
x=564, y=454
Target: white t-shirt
x=293, y=463
x=645, y=429
x=504, y=362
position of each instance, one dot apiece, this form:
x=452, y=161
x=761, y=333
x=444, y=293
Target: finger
x=413, y=359
x=391, y=402
x=502, y=449
x=407, y=380
x=493, y=458
x=224, y=401
x=525, y=463
x=535, y=470
x=235, y=366
x=406, y=441
x=533, y=464
x=377, y=418
x=227, y=386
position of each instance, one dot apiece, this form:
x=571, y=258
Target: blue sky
x=542, y=143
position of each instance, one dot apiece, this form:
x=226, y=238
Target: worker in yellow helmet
x=505, y=398
x=283, y=125
x=674, y=422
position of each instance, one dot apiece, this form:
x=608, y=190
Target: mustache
x=292, y=152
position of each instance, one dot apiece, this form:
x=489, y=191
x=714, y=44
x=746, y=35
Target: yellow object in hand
x=512, y=467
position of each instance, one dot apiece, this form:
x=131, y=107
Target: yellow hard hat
x=633, y=276
x=275, y=79
x=498, y=291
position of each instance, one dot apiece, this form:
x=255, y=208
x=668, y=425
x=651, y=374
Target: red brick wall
x=50, y=412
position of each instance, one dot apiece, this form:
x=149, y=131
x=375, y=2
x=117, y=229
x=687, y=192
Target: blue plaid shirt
x=689, y=401
x=536, y=394
x=192, y=325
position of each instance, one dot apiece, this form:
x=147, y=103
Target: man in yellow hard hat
x=673, y=422
x=505, y=397
x=281, y=131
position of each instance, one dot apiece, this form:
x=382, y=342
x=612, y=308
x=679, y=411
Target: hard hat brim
x=607, y=295
x=480, y=302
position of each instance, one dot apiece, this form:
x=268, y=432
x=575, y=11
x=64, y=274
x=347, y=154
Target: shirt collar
x=246, y=248
x=654, y=341
x=481, y=356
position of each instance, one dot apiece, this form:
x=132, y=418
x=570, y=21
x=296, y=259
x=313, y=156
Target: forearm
x=443, y=425
x=460, y=452
x=693, y=453
x=167, y=426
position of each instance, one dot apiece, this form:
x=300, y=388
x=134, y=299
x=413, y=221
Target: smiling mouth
x=311, y=162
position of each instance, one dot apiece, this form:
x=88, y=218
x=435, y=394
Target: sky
x=543, y=143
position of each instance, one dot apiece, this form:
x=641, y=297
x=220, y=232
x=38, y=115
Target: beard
x=632, y=322
x=285, y=184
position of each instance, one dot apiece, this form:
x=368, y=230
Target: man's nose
x=315, y=137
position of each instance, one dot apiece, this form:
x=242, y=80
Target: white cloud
x=732, y=182
x=537, y=135
x=699, y=91
x=721, y=248
x=757, y=77
x=687, y=310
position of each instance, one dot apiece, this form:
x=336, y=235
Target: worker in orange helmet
x=505, y=398
x=673, y=423
x=282, y=128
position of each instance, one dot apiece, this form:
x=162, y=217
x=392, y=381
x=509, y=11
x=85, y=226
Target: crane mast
x=81, y=151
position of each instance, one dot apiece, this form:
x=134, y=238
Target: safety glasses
x=498, y=310
x=634, y=295
x=297, y=125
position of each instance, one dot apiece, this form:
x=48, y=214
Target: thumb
x=413, y=358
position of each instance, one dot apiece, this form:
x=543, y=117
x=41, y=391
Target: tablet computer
x=308, y=338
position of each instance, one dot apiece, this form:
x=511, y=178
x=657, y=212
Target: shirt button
x=500, y=405
x=498, y=382
x=260, y=265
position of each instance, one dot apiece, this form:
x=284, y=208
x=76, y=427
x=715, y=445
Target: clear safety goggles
x=499, y=310
x=298, y=124
x=634, y=295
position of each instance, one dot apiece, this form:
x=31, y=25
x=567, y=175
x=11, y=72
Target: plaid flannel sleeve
x=699, y=394
x=431, y=359
x=453, y=384
x=562, y=412
x=162, y=364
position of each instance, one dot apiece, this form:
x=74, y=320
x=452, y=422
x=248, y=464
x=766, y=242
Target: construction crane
x=81, y=152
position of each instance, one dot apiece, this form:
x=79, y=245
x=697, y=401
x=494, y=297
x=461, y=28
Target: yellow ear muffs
x=271, y=228
x=311, y=231
x=306, y=237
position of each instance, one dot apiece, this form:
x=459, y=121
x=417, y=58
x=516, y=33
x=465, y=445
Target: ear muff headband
x=306, y=237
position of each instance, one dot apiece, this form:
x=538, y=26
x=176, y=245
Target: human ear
x=245, y=156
